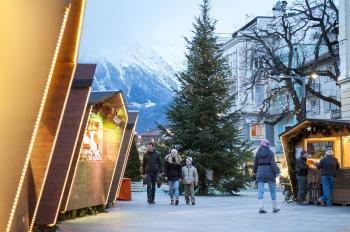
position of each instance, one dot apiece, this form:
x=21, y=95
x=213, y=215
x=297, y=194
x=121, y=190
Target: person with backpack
x=173, y=173
x=190, y=180
x=266, y=171
x=328, y=166
x=302, y=170
x=151, y=168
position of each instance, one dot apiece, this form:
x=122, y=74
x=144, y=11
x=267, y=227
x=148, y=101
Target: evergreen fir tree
x=201, y=121
x=133, y=168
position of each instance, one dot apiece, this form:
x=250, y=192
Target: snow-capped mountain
x=146, y=80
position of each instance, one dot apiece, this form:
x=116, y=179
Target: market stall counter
x=314, y=136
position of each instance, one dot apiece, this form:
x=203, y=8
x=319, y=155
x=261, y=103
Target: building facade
x=248, y=101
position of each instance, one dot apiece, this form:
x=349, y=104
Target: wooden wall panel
x=123, y=156
x=75, y=162
x=56, y=101
x=62, y=156
x=29, y=36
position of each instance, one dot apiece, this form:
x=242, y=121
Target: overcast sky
x=115, y=26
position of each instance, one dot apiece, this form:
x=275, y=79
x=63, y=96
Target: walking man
x=190, y=179
x=302, y=170
x=151, y=168
x=172, y=172
x=329, y=166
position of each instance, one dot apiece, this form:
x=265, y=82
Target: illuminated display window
x=317, y=149
x=93, y=139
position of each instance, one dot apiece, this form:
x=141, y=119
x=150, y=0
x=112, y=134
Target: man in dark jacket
x=329, y=166
x=151, y=168
x=266, y=171
x=302, y=170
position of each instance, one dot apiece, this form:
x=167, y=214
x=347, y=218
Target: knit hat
x=265, y=143
x=189, y=159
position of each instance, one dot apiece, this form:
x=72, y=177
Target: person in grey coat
x=266, y=171
x=190, y=179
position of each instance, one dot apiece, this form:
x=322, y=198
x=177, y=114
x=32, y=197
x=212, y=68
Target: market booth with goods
x=315, y=136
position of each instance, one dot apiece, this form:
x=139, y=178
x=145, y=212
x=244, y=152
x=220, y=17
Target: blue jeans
x=174, y=189
x=272, y=187
x=327, y=187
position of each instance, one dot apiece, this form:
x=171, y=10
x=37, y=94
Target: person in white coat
x=190, y=180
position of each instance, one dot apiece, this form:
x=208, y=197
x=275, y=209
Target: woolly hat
x=189, y=159
x=265, y=143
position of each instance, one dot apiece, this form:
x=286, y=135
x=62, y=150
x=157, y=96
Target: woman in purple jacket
x=266, y=171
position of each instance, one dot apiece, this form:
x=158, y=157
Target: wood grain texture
x=64, y=148
x=55, y=104
x=123, y=156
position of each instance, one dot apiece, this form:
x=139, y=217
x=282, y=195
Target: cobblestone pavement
x=238, y=213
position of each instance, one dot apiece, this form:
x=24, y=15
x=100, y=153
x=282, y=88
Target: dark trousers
x=302, y=188
x=151, y=180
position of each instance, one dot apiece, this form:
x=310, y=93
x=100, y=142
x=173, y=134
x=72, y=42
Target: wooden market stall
x=39, y=46
x=97, y=157
x=65, y=145
x=314, y=135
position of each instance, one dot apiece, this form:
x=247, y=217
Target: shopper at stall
x=190, y=180
x=151, y=168
x=172, y=172
x=329, y=166
x=266, y=171
x=302, y=170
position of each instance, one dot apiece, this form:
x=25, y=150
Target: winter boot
x=193, y=203
x=176, y=201
x=172, y=202
x=275, y=207
x=261, y=206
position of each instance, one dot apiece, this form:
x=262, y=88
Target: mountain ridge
x=147, y=82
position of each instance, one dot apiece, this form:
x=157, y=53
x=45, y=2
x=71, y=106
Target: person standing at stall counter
x=302, y=170
x=151, y=168
x=329, y=166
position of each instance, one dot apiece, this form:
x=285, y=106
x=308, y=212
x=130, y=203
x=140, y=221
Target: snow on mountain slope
x=146, y=80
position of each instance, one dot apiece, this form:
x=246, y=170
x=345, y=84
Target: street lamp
x=303, y=80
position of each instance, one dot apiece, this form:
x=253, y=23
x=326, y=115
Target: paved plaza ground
x=238, y=213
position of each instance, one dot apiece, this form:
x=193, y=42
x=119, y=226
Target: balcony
x=336, y=114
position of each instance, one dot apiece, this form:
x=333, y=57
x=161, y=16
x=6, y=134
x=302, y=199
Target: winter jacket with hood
x=189, y=175
x=172, y=167
x=265, y=166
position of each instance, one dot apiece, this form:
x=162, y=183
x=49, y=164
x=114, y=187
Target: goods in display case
x=316, y=149
x=93, y=139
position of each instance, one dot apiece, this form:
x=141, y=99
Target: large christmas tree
x=202, y=123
